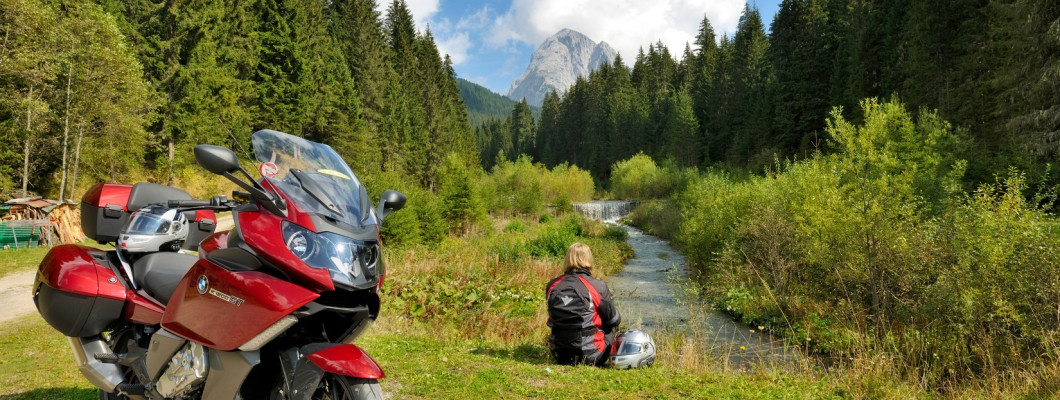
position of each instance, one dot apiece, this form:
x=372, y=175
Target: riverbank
x=654, y=294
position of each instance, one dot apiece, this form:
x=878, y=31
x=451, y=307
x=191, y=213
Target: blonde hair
x=578, y=257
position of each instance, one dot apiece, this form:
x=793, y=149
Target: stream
x=648, y=294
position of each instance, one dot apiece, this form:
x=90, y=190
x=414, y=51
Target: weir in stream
x=648, y=294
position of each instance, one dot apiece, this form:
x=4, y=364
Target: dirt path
x=15, y=297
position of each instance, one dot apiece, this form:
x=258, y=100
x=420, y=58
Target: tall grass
x=491, y=286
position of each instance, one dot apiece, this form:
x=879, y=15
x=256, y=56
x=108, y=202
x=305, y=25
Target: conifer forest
x=121, y=90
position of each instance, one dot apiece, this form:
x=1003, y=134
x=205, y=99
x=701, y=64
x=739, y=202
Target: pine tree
x=802, y=54
x=680, y=130
x=750, y=108
x=702, y=89
x=356, y=28
x=282, y=70
x=548, y=131
x=523, y=131
x=1026, y=36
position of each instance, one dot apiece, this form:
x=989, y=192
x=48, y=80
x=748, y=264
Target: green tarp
x=18, y=237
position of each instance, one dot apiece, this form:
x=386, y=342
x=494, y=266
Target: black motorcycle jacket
x=582, y=316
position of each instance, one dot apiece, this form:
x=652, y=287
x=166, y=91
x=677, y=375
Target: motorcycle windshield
x=313, y=175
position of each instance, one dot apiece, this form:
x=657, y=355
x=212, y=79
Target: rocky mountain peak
x=557, y=63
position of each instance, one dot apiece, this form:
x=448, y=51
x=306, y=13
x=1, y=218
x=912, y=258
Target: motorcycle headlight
x=350, y=262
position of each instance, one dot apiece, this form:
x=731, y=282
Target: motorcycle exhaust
x=102, y=375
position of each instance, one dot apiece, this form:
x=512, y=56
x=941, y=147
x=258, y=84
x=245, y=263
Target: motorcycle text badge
x=268, y=169
x=203, y=284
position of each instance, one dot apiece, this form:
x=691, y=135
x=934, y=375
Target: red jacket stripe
x=594, y=296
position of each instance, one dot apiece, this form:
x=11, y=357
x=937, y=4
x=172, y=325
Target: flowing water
x=648, y=294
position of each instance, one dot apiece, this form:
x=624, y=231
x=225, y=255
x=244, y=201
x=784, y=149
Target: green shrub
x=615, y=232
x=876, y=247
x=661, y=218
x=640, y=178
x=462, y=207
x=514, y=186
x=566, y=184
x=551, y=243
x=523, y=187
x=515, y=226
x=421, y=221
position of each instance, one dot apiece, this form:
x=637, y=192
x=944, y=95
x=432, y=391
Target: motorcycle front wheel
x=338, y=387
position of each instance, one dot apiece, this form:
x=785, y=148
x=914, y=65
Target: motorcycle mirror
x=390, y=201
x=216, y=159
x=223, y=161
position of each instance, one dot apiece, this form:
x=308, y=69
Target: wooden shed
x=31, y=222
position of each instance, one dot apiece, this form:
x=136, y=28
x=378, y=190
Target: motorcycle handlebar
x=188, y=203
x=216, y=203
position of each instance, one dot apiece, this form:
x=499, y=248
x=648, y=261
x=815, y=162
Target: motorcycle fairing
x=140, y=310
x=217, y=240
x=231, y=307
x=262, y=233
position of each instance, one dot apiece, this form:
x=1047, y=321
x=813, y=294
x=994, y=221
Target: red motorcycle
x=267, y=310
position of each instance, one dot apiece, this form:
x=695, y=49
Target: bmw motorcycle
x=267, y=310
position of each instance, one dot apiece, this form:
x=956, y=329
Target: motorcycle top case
x=106, y=207
x=77, y=290
x=104, y=211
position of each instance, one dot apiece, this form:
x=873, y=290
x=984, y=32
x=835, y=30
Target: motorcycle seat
x=160, y=273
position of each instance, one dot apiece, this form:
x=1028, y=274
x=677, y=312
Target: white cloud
x=480, y=19
x=422, y=10
x=456, y=46
x=626, y=25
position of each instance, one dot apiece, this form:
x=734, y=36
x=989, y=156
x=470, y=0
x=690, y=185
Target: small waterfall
x=607, y=211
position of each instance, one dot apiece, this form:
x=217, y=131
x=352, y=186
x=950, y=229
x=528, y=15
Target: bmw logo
x=203, y=284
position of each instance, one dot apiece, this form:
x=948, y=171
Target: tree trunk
x=77, y=156
x=29, y=137
x=172, y=153
x=66, y=134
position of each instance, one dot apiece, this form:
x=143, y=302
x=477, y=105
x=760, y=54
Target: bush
x=640, y=178
x=514, y=226
x=514, y=186
x=462, y=207
x=566, y=184
x=488, y=286
x=876, y=247
x=420, y=221
x=524, y=188
x=661, y=218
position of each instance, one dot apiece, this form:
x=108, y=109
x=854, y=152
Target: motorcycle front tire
x=339, y=387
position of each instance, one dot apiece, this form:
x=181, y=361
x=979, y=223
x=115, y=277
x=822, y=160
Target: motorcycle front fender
x=303, y=374
x=348, y=360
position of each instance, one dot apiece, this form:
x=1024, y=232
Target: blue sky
x=490, y=41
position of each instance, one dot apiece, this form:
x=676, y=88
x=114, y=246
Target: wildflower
x=743, y=348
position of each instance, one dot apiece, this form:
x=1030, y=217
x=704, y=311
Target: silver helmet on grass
x=154, y=228
x=632, y=349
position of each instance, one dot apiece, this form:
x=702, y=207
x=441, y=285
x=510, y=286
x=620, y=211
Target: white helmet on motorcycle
x=632, y=349
x=154, y=228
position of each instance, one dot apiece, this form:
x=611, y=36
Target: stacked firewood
x=58, y=225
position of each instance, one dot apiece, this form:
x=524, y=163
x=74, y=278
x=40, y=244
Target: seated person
x=581, y=313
